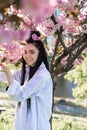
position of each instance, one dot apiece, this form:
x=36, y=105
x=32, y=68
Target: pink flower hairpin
x=35, y=37
x=0, y=64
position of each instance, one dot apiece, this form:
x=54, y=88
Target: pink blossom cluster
x=64, y=61
x=47, y=27
x=82, y=17
x=83, y=12
x=12, y=52
x=26, y=19
x=66, y=4
x=39, y=9
x=78, y=61
x=10, y=40
x=7, y=36
x=68, y=24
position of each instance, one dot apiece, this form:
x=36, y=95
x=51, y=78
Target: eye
x=25, y=52
x=32, y=52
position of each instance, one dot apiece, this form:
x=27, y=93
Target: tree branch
x=73, y=52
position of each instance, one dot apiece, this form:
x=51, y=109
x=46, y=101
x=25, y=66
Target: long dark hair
x=41, y=58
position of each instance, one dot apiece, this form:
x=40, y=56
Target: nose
x=27, y=56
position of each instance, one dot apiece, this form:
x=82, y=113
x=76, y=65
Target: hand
x=7, y=71
x=4, y=68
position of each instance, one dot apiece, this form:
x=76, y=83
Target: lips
x=28, y=61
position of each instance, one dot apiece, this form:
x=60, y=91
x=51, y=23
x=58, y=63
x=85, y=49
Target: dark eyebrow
x=31, y=50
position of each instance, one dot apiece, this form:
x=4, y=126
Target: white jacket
x=40, y=89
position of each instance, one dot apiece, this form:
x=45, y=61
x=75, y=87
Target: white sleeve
x=3, y=77
x=16, y=75
x=29, y=89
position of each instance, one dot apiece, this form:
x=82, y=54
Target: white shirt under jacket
x=39, y=88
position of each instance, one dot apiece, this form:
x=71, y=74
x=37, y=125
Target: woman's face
x=31, y=54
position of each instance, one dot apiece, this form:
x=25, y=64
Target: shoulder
x=43, y=72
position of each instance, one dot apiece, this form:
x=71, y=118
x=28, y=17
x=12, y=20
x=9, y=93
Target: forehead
x=30, y=46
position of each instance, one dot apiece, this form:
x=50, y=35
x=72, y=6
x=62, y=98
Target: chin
x=30, y=64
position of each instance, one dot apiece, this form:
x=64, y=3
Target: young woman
x=32, y=87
